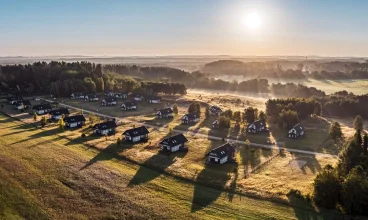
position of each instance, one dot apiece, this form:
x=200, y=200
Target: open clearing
x=47, y=176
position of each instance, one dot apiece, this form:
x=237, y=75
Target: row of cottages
x=108, y=101
x=75, y=121
x=190, y=118
x=23, y=104
x=164, y=113
x=136, y=134
x=91, y=98
x=118, y=95
x=105, y=128
x=174, y=143
x=42, y=109
x=296, y=132
x=128, y=106
x=56, y=114
x=215, y=110
x=77, y=95
x=222, y=154
x=14, y=99
x=257, y=126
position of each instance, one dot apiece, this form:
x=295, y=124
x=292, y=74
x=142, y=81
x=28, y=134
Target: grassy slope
x=42, y=178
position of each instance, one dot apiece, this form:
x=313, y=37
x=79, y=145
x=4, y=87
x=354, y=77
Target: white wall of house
x=135, y=139
x=223, y=160
x=73, y=125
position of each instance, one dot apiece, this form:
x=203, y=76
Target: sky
x=187, y=27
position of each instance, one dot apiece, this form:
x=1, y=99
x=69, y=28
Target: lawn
x=190, y=165
x=45, y=175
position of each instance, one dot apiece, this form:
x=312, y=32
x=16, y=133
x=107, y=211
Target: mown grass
x=46, y=178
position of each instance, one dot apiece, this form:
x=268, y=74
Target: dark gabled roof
x=215, y=109
x=298, y=128
x=165, y=111
x=42, y=107
x=174, y=140
x=78, y=93
x=24, y=102
x=191, y=116
x=136, y=131
x=109, y=99
x=223, y=150
x=74, y=118
x=121, y=93
x=258, y=124
x=60, y=111
x=105, y=125
x=129, y=104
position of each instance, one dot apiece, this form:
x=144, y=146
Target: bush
x=118, y=142
x=326, y=188
x=83, y=135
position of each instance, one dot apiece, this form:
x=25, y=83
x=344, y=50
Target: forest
x=289, y=70
x=62, y=79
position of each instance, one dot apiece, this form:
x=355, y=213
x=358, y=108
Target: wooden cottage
x=105, y=128
x=24, y=104
x=190, y=118
x=56, y=114
x=215, y=110
x=74, y=121
x=42, y=109
x=108, y=101
x=257, y=126
x=296, y=132
x=77, y=95
x=216, y=124
x=138, y=98
x=154, y=99
x=128, y=106
x=91, y=98
x=136, y=134
x=164, y=113
x=174, y=143
x=222, y=154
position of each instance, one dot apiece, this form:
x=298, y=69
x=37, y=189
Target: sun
x=253, y=21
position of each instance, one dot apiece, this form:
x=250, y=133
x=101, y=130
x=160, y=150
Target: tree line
x=62, y=79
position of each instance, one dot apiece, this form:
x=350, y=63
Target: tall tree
x=335, y=130
x=358, y=123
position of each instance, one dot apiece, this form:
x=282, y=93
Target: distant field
x=44, y=175
x=358, y=86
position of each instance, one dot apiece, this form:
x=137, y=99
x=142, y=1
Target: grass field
x=48, y=176
x=358, y=87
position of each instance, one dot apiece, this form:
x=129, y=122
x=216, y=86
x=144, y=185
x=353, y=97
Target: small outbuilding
x=215, y=110
x=91, y=98
x=24, y=104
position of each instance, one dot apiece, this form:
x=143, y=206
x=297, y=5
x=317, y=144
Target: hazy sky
x=186, y=27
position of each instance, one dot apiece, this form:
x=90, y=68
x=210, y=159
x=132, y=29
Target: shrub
x=83, y=135
x=118, y=142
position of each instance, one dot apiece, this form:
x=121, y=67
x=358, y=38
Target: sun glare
x=253, y=21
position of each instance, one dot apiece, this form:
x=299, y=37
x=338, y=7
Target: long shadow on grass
x=110, y=152
x=160, y=161
x=303, y=209
x=41, y=134
x=216, y=175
